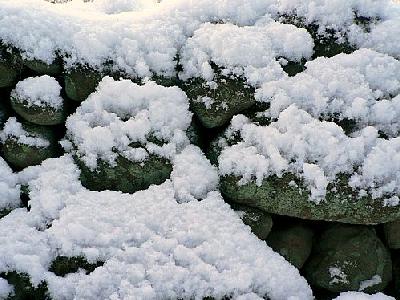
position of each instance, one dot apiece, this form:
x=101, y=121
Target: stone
x=22, y=155
x=40, y=115
x=80, y=83
x=392, y=234
x=215, y=105
x=40, y=67
x=293, y=242
x=349, y=258
x=5, y=113
x=396, y=273
x=259, y=221
x=287, y=196
x=125, y=176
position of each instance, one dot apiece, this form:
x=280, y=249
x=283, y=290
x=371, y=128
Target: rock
x=194, y=133
x=64, y=265
x=125, y=176
x=5, y=113
x=392, y=234
x=216, y=103
x=287, y=196
x=10, y=68
x=21, y=154
x=36, y=106
x=40, y=67
x=259, y=221
x=349, y=258
x=80, y=83
x=23, y=288
x=293, y=242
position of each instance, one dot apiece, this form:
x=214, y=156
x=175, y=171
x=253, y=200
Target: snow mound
x=357, y=86
x=9, y=187
x=14, y=130
x=122, y=117
x=251, y=50
x=316, y=151
x=41, y=91
x=152, y=245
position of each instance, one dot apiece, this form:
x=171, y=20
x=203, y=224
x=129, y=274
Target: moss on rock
x=280, y=196
x=40, y=67
x=125, y=176
x=215, y=105
x=22, y=155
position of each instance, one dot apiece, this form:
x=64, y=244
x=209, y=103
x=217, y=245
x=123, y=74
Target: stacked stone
x=339, y=245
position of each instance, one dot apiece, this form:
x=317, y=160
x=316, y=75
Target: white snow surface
x=314, y=150
x=363, y=296
x=9, y=187
x=153, y=245
x=43, y=91
x=94, y=32
x=357, y=86
x=14, y=130
x=120, y=113
x=5, y=289
x=250, y=51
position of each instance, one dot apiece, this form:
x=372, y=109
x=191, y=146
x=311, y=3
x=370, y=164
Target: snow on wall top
x=88, y=33
x=120, y=113
x=9, y=188
x=357, y=86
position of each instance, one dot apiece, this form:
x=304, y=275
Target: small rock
x=349, y=258
x=80, y=83
x=294, y=243
x=40, y=67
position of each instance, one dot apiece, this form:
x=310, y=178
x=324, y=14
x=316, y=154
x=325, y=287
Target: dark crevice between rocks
x=64, y=265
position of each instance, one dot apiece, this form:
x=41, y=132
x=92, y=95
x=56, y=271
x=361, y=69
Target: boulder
x=10, y=68
x=23, y=288
x=64, y=265
x=349, y=258
x=293, y=242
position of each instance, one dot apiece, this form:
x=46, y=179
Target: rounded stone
x=215, y=105
x=349, y=258
x=10, y=69
x=292, y=242
x=40, y=115
x=80, y=83
x=22, y=155
x=259, y=221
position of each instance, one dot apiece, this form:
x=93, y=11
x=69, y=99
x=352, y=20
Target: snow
x=9, y=188
x=14, y=130
x=5, y=288
x=120, y=113
x=43, y=91
x=250, y=51
x=314, y=150
x=356, y=86
x=376, y=279
x=152, y=245
x=363, y=296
